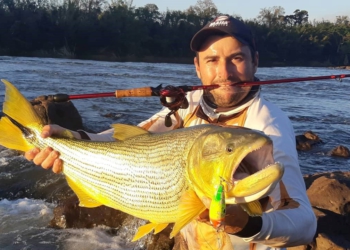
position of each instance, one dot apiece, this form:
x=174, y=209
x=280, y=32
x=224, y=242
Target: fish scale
x=152, y=182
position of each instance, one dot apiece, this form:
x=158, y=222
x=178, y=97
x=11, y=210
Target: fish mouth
x=255, y=176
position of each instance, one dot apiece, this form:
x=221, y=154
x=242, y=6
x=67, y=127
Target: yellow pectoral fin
x=190, y=207
x=144, y=230
x=84, y=199
x=252, y=208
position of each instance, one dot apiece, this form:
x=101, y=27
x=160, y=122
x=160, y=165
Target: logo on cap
x=220, y=21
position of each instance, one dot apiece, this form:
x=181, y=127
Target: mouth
x=256, y=176
x=229, y=83
x=226, y=84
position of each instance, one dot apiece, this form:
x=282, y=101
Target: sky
x=248, y=9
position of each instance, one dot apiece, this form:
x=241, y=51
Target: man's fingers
x=50, y=130
x=48, y=162
x=47, y=131
x=42, y=155
x=30, y=155
x=47, y=158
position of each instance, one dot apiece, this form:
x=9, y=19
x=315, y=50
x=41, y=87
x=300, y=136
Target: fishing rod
x=171, y=91
x=174, y=98
x=135, y=92
x=301, y=79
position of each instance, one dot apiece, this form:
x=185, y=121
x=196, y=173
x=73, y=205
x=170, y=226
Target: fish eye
x=229, y=148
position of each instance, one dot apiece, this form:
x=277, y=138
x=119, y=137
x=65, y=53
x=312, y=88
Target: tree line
x=95, y=29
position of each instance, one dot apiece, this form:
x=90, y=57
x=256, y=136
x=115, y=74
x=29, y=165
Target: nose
x=225, y=69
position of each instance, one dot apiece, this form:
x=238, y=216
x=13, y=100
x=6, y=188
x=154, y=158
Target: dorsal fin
x=125, y=131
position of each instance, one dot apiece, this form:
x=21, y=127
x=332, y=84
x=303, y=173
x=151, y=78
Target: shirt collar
x=214, y=113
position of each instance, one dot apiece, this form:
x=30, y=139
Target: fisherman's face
x=223, y=60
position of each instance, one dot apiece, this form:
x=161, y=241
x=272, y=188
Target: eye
x=238, y=58
x=229, y=148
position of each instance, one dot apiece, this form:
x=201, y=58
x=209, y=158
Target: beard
x=227, y=95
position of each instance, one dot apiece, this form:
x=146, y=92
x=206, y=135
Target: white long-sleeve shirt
x=289, y=219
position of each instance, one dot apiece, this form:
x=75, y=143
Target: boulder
x=68, y=214
x=62, y=113
x=329, y=195
x=306, y=141
x=340, y=151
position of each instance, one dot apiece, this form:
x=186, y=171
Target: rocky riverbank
x=329, y=194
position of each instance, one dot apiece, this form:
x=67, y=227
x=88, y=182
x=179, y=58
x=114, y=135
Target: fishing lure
x=217, y=210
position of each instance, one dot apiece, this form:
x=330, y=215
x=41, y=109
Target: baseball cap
x=223, y=25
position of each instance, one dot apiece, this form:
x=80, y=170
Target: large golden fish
x=162, y=177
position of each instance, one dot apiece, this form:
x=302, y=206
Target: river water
x=25, y=206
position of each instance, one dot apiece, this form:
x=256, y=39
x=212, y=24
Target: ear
x=256, y=61
x=196, y=65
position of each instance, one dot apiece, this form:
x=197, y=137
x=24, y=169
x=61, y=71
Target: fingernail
x=57, y=166
x=54, y=154
x=33, y=151
x=48, y=150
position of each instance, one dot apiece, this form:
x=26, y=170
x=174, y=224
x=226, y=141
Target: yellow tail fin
x=11, y=136
x=19, y=109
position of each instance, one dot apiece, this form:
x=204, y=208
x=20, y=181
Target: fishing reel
x=173, y=98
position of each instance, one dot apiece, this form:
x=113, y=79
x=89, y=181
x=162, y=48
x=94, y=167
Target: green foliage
x=120, y=31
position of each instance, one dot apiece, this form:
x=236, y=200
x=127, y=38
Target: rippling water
x=320, y=106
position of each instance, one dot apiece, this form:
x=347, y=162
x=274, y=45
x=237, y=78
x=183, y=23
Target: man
x=226, y=54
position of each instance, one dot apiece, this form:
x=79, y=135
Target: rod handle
x=137, y=92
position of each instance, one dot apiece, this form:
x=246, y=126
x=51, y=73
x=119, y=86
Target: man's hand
x=48, y=158
x=235, y=220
